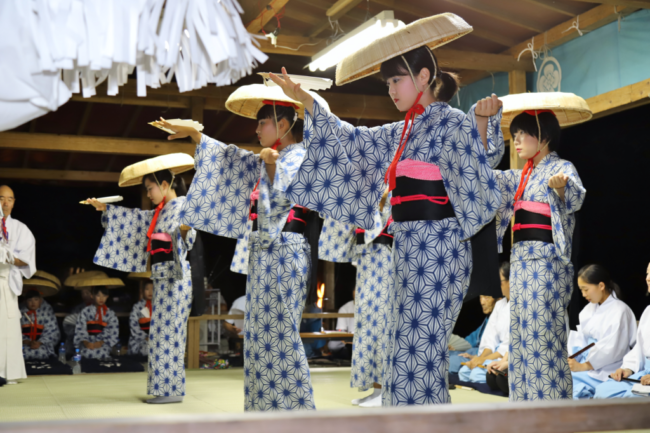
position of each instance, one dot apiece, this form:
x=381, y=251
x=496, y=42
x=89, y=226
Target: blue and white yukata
x=138, y=342
x=109, y=335
x=541, y=282
x=50, y=334
x=374, y=297
x=612, y=327
x=343, y=177
x=636, y=360
x=496, y=338
x=276, y=372
x=124, y=247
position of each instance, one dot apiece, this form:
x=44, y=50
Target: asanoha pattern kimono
x=541, y=282
x=343, y=177
x=276, y=373
x=41, y=326
x=123, y=247
x=138, y=343
x=374, y=297
x=84, y=332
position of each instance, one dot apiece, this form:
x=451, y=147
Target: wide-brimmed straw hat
x=175, y=162
x=433, y=32
x=97, y=278
x=140, y=275
x=46, y=284
x=569, y=109
x=247, y=100
x=71, y=281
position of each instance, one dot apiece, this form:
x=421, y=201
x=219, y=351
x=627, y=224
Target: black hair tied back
x=596, y=274
x=178, y=184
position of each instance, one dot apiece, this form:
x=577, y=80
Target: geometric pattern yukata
x=343, y=177
x=50, y=335
x=541, y=282
x=374, y=297
x=124, y=247
x=109, y=335
x=276, y=373
x=138, y=343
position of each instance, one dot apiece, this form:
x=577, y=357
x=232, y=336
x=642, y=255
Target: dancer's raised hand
x=293, y=90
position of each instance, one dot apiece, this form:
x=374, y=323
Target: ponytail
x=596, y=274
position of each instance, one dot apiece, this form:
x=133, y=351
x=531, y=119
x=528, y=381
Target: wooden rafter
x=297, y=45
x=552, y=6
x=102, y=145
x=639, y=4
x=300, y=15
x=456, y=59
x=73, y=175
x=265, y=15
x=338, y=10
x=502, y=15
x=353, y=14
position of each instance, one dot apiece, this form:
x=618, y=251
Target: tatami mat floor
x=119, y=395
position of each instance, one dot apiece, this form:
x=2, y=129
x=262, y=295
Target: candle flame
x=320, y=293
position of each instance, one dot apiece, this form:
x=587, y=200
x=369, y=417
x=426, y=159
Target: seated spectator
x=97, y=329
x=312, y=347
x=341, y=349
x=636, y=364
x=236, y=327
x=139, y=321
x=70, y=321
x=606, y=321
x=472, y=340
x=497, y=376
x=40, y=328
x=495, y=339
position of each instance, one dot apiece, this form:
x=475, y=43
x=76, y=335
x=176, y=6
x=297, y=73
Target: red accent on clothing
x=525, y=176
x=292, y=216
x=253, y=216
x=416, y=109
x=33, y=331
x=284, y=104
x=4, y=228
x=418, y=170
x=101, y=312
x=150, y=308
x=531, y=226
x=535, y=112
x=383, y=233
x=442, y=200
x=164, y=237
x=535, y=207
x=152, y=226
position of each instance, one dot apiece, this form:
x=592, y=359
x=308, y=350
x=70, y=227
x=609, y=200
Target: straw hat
x=175, y=162
x=247, y=100
x=71, y=281
x=97, y=279
x=567, y=107
x=139, y=275
x=433, y=32
x=46, y=284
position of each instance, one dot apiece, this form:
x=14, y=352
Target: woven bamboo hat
x=97, y=279
x=139, y=275
x=175, y=162
x=46, y=284
x=71, y=281
x=569, y=109
x=433, y=32
x=247, y=100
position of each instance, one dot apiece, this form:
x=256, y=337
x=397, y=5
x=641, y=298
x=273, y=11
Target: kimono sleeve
x=219, y=196
x=468, y=177
x=80, y=330
x=110, y=334
x=635, y=359
x=496, y=145
x=342, y=174
x=124, y=243
x=490, y=339
x=618, y=333
x=337, y=241
x=507, y=181
x=51, y=334
x=562, y=211
x=134, y=322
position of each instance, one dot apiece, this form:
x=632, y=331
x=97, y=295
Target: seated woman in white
x=605, y=321
x=494, y=343
x=636, y=364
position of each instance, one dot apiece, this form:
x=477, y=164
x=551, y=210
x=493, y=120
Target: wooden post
x=193, y=336
x=330, y=282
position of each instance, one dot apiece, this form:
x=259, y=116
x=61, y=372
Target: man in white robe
x=22, y=246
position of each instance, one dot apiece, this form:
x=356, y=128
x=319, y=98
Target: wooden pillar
x=193, y=337
x=329, y=304
x=197, y=104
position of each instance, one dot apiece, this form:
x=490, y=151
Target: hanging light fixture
x=376, y=27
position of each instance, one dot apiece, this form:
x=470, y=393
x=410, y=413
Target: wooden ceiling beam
x=272, y=8
x=552, y=6
x=70, y=175
x=102, y=145
x=639, y=4
x=300, y=15
x=501, y=15
x=335, y=12
x=455, y=59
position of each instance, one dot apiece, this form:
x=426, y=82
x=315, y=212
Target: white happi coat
x=496, y=336
x=23, y=247
x=636, y=358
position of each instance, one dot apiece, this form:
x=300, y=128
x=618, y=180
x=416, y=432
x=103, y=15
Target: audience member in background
x=235, y=327
x=606, y=321
x=497, y=375
x=70, y=321
x=139, y=322
x=40, y=328
x=495, y=340
x=636, y=364
x=312, y=347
